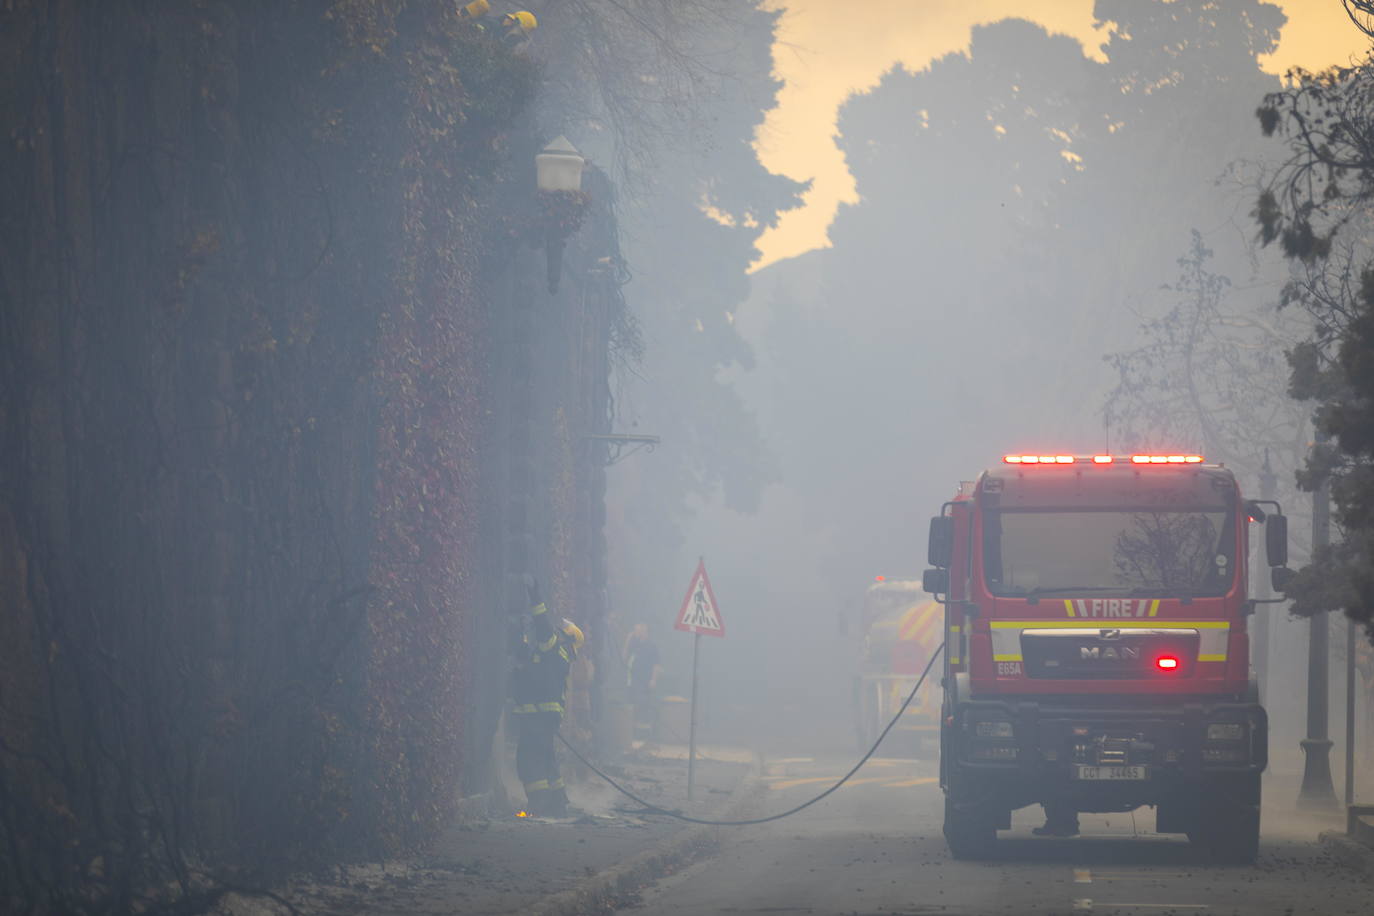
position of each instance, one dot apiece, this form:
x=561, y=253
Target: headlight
x=993, y=730
x=1223, y=755
x=1225, y=731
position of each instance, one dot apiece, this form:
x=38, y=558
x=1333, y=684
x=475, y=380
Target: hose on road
x=655, y=809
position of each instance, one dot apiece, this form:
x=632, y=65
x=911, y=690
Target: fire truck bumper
x=1104, y=756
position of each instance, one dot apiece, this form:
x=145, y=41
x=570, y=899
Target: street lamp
x=1268, y=490
x=1317, y=790
x=558, y=171
x=558, y=166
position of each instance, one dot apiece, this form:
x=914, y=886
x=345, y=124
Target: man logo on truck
x=1125, y=653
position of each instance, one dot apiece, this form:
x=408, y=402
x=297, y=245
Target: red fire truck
x=1096, y=612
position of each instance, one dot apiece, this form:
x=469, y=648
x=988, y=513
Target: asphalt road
x=876, y=848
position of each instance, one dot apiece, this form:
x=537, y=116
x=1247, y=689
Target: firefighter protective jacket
x=540, y=678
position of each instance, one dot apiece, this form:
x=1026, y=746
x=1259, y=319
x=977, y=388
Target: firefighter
x=539, y=689
x=642, y=671
x=516, y=28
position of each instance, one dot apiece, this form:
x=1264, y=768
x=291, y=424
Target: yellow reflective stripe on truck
x=1107, y=623
x=952, y=643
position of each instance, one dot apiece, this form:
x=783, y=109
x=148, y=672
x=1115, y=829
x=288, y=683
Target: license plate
x=1087, y=772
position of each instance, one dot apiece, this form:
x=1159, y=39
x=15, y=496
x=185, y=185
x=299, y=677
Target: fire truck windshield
x=1125, y=552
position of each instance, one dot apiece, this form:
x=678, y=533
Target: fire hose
x=655, y=809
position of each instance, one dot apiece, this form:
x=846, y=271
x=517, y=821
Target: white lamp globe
x=559, y=167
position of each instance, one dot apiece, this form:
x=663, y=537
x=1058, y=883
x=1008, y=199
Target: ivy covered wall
x=253, y=486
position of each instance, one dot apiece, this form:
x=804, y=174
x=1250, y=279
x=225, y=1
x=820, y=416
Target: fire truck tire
x=1229, y=827
x=970, y=832
x=861, y=742
x=868, y=716
x=1232, y=838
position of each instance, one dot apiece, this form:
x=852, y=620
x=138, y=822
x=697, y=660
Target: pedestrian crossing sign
x=700, y=614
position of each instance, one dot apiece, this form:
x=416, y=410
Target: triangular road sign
x=700, y=614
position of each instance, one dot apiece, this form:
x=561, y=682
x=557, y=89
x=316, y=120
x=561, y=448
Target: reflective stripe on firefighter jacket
x=540, y=679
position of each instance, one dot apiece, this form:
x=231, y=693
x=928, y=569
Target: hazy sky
x=830, y=48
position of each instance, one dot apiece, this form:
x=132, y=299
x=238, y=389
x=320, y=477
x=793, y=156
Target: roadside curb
x=1350, y=853
x=473, y=808
x=608, y=889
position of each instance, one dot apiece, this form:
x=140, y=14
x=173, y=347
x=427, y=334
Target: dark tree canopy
x=1317, y=207
x=1017, y=202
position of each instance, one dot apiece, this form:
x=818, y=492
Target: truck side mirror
x=935, y=581
x=1276, y=540
x=940, y=548
x=1280, y=577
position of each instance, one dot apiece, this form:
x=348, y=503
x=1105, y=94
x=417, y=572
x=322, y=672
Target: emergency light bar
x=1102, y=459
x=1039, y=459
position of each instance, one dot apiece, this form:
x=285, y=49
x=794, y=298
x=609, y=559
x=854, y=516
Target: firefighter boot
x=538, y=800
x=557, y=803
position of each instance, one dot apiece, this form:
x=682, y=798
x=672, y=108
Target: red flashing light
x=1166, y=663
x=1101, y=459
x=1039, y=459
x=880, y=578
x=1166, y=459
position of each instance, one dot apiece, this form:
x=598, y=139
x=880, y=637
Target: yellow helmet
x=574, y=632
x=475, y=10
x=523, y=19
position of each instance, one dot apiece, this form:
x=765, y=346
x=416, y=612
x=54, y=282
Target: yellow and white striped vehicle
x=901, y=627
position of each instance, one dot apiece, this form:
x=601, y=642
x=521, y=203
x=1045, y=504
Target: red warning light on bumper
x=1166, y=663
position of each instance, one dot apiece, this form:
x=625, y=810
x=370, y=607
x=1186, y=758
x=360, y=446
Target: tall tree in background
x=1020, y=204
x=1209, y=374
x=698, y=200
x=953, y=166
x=1317, y=206
x=1165, y=148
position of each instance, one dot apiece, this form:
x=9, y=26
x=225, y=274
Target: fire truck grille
x=1108, y=653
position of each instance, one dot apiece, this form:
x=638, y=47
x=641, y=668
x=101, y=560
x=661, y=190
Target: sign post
x=700, y=614
x=692, y=729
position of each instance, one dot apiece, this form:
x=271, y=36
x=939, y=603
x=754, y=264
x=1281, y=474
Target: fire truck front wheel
x=970, y=830
x=1229, y=823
